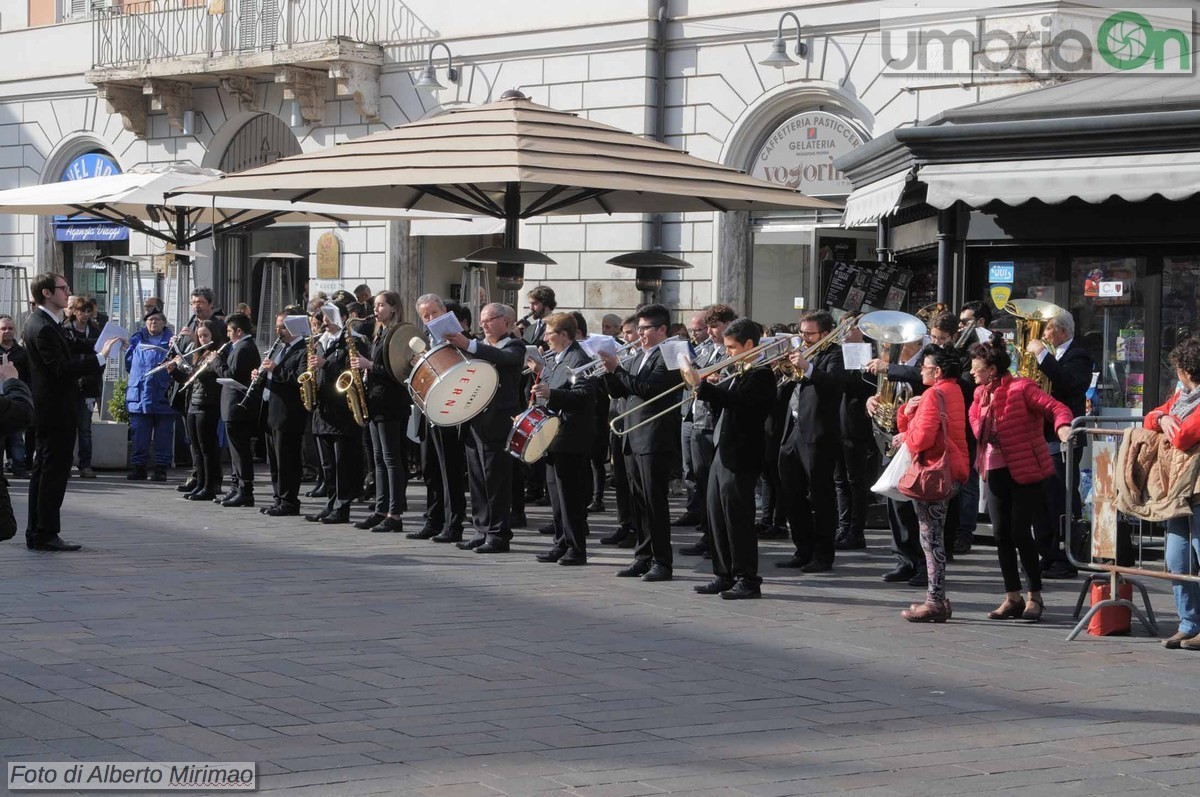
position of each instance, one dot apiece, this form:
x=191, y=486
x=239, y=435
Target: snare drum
x=450, y=388
x=532, y=433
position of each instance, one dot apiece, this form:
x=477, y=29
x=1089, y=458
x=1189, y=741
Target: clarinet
x=259, y=381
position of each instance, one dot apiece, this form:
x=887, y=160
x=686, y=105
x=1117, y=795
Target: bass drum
x=450, y=388
x=532, y=433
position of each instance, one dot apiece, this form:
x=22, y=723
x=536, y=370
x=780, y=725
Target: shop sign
x=92, y=231
x=1001, y=295
x=801, y=151
x=329, y=250
x=86, y=167
x=1001, y=272
x=1111, y=289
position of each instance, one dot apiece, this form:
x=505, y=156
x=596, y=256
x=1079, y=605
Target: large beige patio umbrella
x=511, y=159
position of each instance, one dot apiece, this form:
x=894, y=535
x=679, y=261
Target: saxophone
x=350, y=383
x=308, y=380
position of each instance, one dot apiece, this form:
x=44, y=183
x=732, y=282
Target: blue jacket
x=147, y=395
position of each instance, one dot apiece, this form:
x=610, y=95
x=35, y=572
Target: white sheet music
x=675, y=352
x=442, y=326
x=595, y=345
x=111, y=330
x=855, y=356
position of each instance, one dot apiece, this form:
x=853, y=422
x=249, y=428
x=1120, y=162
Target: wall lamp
x=779, y=57
x=428, y=78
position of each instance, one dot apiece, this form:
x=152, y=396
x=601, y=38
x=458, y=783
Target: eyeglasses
x=929, y=367
x=810, y=333
x=648, y=327
x=63, y=288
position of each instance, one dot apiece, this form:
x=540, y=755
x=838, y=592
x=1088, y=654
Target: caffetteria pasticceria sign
x=800, y=153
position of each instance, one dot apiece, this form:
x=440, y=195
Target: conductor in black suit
x=568, y=462
x=489, y=465
x=811, y=443
x=744, y=404
x=1069, y=368
x=238, y=363
x=56, y=372
x=286, y=416
x=654, y=447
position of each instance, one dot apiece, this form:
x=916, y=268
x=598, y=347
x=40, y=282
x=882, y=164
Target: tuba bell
x=1031, y=315
x=890, y=329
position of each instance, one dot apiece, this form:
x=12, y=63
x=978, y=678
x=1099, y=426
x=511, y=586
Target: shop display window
x=1180, y=311
x=1110, y=322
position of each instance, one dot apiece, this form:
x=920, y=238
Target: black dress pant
x=241, y=454
x=650, y=482
x=773, y=511
x=703, y=453
x=731, y=517
x=1047, y=525
x=341, y=459
x=806, y=476
x=489, y=474
x=906, y=536
x=284, y=458
x=48, y=482
x=620, y=463
x=1012, y=508
x=568, y=484
x=444, y=467
x=389, y=450
x=206, y=448
x=853, y=477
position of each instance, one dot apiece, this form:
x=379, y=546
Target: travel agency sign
x=801, y=151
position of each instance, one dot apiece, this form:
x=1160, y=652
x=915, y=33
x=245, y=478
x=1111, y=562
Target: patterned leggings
x=931, y=517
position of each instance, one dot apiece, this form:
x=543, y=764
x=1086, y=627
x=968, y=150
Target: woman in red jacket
x=1179, y=421
x=920, y=424
x=1007, y=416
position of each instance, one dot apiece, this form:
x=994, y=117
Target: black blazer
x=856, y=424
x=745, y=403
x=814, y=410
x=574, y=403
x=1070, y=378
x=495, y=422
x=56, y=371
x=332, y=414
x=284, y=406
x=16, y=406
x=238, y=362
x=387, y=399
x=661, y=435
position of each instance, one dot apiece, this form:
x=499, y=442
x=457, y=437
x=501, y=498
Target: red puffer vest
x=923, y=431
x=1020, y=408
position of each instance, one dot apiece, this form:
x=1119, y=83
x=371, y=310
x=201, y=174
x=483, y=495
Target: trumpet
x=547, y=362
x=204, y=365
x=595, y=368
x=162, y=366
x=782, y=365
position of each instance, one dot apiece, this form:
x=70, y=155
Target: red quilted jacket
x=1020, y=408
x=1189, y=429
x=923, y=430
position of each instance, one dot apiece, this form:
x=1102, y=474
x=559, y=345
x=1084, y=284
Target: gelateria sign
x=801, y=151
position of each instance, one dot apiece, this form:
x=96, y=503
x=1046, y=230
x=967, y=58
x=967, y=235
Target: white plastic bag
x=889, y=481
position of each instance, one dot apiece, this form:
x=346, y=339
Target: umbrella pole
x=512, y=230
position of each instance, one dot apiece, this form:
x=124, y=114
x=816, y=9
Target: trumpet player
x=286, y=417
x=203, y=400
x=238, y=363
x=489, y=465
x=626, y=534
x=811, y=443
x=339, y=438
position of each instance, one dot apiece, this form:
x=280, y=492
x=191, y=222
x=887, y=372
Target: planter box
x=110, y=445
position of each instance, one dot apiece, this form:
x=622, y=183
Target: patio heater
x=277, y=289
x=177, y=298
x=126, y=283
x=649, y=267
x=14, y=293
x=510, y=274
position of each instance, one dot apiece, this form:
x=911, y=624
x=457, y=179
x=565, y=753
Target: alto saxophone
x=350, y=384
x=308, y=380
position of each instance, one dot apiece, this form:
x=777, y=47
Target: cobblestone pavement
x=349, y=663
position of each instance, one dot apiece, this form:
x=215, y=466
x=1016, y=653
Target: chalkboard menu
x=888, y=286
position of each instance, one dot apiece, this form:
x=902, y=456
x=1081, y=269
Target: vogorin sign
x=800, y=153
x=960, y=42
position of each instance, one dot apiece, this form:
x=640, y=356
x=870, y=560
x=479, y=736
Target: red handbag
x=930, y=481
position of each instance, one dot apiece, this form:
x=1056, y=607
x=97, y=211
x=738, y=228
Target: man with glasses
x=489, y=465
x=56, y=372
x=653, y=447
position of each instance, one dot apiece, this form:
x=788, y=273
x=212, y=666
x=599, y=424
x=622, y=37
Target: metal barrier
x=1104, y=436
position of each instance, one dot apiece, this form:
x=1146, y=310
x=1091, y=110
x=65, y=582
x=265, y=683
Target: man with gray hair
x=1069, y=368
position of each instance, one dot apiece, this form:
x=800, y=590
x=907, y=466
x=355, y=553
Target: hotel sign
x=801, y=151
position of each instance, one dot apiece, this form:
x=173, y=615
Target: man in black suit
x=56, y=372
x=626, y=534
x=541, y=304
x=338, y=436
x=1069, y=368
x=568, y=467
x=286, y=416
x=238, y=363
x=811, y=443
x=489, y=465
x=744, y=404
x=654, y=447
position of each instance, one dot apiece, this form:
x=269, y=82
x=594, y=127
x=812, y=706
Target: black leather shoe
x=318, y=492
x=699, y=549
x=963, y=544
x=240, y=499
x=714, y=587
x=658, y=572
x=773, y=533
x=816, y=566
x=201, y=496
x=370, y=521
x=573, y=559
x=473, y=543
x=138, y=474
x=795, y=563
x=615, y=538
x=55, y=543
x=159, y=475
x=850, y=542
x=919, y=580
x=629, y=542
x=223, y=497
x=317, y=518
x=900, y=573
x=336, y=518
x=741, y=591
x=552, y=555
x=639, y=568
x=448, y=535
x=493, y=546
x=426, y=533
x=686, y=519
x=547, y=529
x=518, y=521
x=389, y=524
x=188, y=486
x=281, y=510
x=595, y=506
